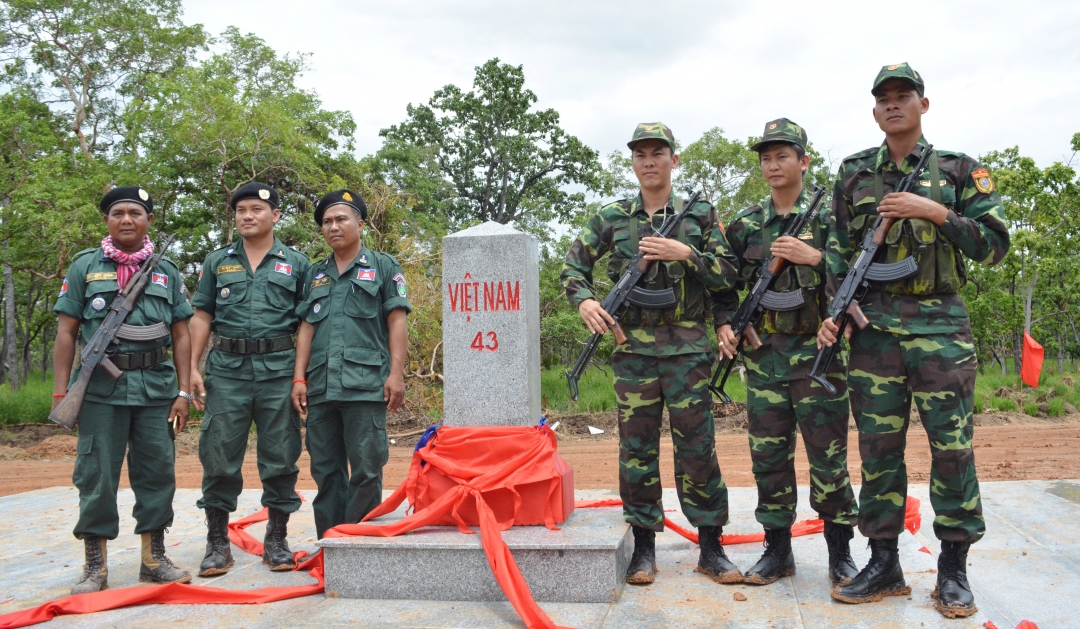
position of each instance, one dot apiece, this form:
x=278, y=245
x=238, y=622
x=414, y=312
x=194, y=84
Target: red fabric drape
x=1031, y=361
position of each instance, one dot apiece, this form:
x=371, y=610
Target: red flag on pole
x=1031, y=361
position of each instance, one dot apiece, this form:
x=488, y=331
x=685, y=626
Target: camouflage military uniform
x=919, y=340
x=779, y=394
x=666, y=359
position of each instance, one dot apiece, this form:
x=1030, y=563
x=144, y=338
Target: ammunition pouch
x=940, y=267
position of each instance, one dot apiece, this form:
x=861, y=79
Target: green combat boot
x=218, y=558
x=95, y=576
x=156, y=567
x=276, y=551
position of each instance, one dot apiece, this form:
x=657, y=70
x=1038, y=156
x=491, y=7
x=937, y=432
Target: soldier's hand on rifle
x=827, y=334
x=198, y=390
x=725, y=336
x=179, y=411
x=664, y=249
x=595, y=317
x=898, y=205
x=796, y=251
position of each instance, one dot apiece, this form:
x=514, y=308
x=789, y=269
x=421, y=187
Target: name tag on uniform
x=230, y=268
x=97, y=277
x=320, y=281
x=160, y=279
x=806, y=236
x=366, y=275
x=284, y=269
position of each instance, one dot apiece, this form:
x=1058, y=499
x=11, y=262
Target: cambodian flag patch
x=63, y=288
x=366, y=275
x=160, y=279
x=284, y=269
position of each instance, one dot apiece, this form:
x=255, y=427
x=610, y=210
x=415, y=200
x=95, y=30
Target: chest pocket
x=156, y=304
x=281, y=290
x=362, y=301
x=98, y=297
x=317, y=304
x=232, y=289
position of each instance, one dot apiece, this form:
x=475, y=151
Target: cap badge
x=264, y=194
x=346, y=196
x=143, y=195
x=648, y=127
x=225, y=292
x=772, y=126
x=98, y=303
x=893, y=67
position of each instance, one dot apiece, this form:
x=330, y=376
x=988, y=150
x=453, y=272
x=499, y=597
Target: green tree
x=488, y=155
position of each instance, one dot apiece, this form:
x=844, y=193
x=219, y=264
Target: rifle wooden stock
x=752, y=337
x=857, y=315
x=66, y=412
x=617, y=331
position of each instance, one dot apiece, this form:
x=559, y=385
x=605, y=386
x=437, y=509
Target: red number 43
x=478, y=342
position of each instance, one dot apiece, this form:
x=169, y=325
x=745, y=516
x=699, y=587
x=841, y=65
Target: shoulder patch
x=983, y=182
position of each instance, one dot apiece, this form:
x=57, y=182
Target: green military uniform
x=666, y=359
x=349, y=364
x=133, y=410
x=249, y=373
x=779, y=394
x=919, y=340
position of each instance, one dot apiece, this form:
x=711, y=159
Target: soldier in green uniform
x=667, y=358
x=247, y=296
x=350, y=362
x=134, y=412
x=918, y=344
x=780, y=397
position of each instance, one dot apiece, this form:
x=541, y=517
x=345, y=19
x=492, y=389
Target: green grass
x=30, y=404
x=596, y=392
x=1057, y=407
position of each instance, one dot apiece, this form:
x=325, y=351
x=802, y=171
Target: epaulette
x=83, y=252
x=746, y=212
x=944, y=153
x=870, y=152
x=621, y=204
x=388, y=256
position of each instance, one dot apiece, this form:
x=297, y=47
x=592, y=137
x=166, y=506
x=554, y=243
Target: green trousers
x=643, y=386
x=776, y=409
x=340, y=436
x=938, y=370
x=231, y=406
x=106, y=431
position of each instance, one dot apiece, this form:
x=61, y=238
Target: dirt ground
x=1008, y=446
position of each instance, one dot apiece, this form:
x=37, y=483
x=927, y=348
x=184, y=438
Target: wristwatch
x=187, y=396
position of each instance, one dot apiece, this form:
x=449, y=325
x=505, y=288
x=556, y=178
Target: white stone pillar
x=491, y=327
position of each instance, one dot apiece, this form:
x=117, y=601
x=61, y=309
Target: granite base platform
x=583, y=562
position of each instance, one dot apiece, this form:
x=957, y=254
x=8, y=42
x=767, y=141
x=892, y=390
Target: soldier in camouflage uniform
x=918, y=343
x=666, y=358
x=779, y=394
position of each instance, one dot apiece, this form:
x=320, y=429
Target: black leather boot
x=218, y=557
x=642, y=569
x=841, y=567
x=881, y=577
x=276, y=551
x=713, y=562
x=778, y=560
x=95, y=576
x=953, y=594
x=156, y=567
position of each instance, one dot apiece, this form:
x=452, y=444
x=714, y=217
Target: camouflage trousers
x=886, y=371
x=775, y=409
x=643, y=386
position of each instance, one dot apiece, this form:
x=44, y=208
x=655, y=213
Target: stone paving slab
x=1039, y=518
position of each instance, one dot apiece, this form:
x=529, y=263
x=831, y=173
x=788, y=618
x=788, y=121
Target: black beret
x=342, y=197
x=135, y=194
x=254, y=190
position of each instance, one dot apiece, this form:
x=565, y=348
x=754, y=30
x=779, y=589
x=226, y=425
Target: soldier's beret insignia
x=648, y=127
x=983, y=182
x=143, y=195
x=893, y=67
x=346, y=196
x=264, y=194
x=772, y=126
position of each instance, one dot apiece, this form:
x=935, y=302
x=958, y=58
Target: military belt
x=253, y=346
x=144, y=360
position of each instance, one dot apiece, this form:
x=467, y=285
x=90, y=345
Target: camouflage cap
x=781, y=130
x=652, y=131
x=900, y=71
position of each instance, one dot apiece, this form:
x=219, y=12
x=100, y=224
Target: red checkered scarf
x=127, y=263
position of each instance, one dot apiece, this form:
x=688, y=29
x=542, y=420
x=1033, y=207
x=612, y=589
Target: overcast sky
x=998, y=73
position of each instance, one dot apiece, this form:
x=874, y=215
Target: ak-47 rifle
x=845, y=305
x=761, y=298
x=95, y=354
x=625, y=291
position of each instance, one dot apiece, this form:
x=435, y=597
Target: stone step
x=583, y=562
